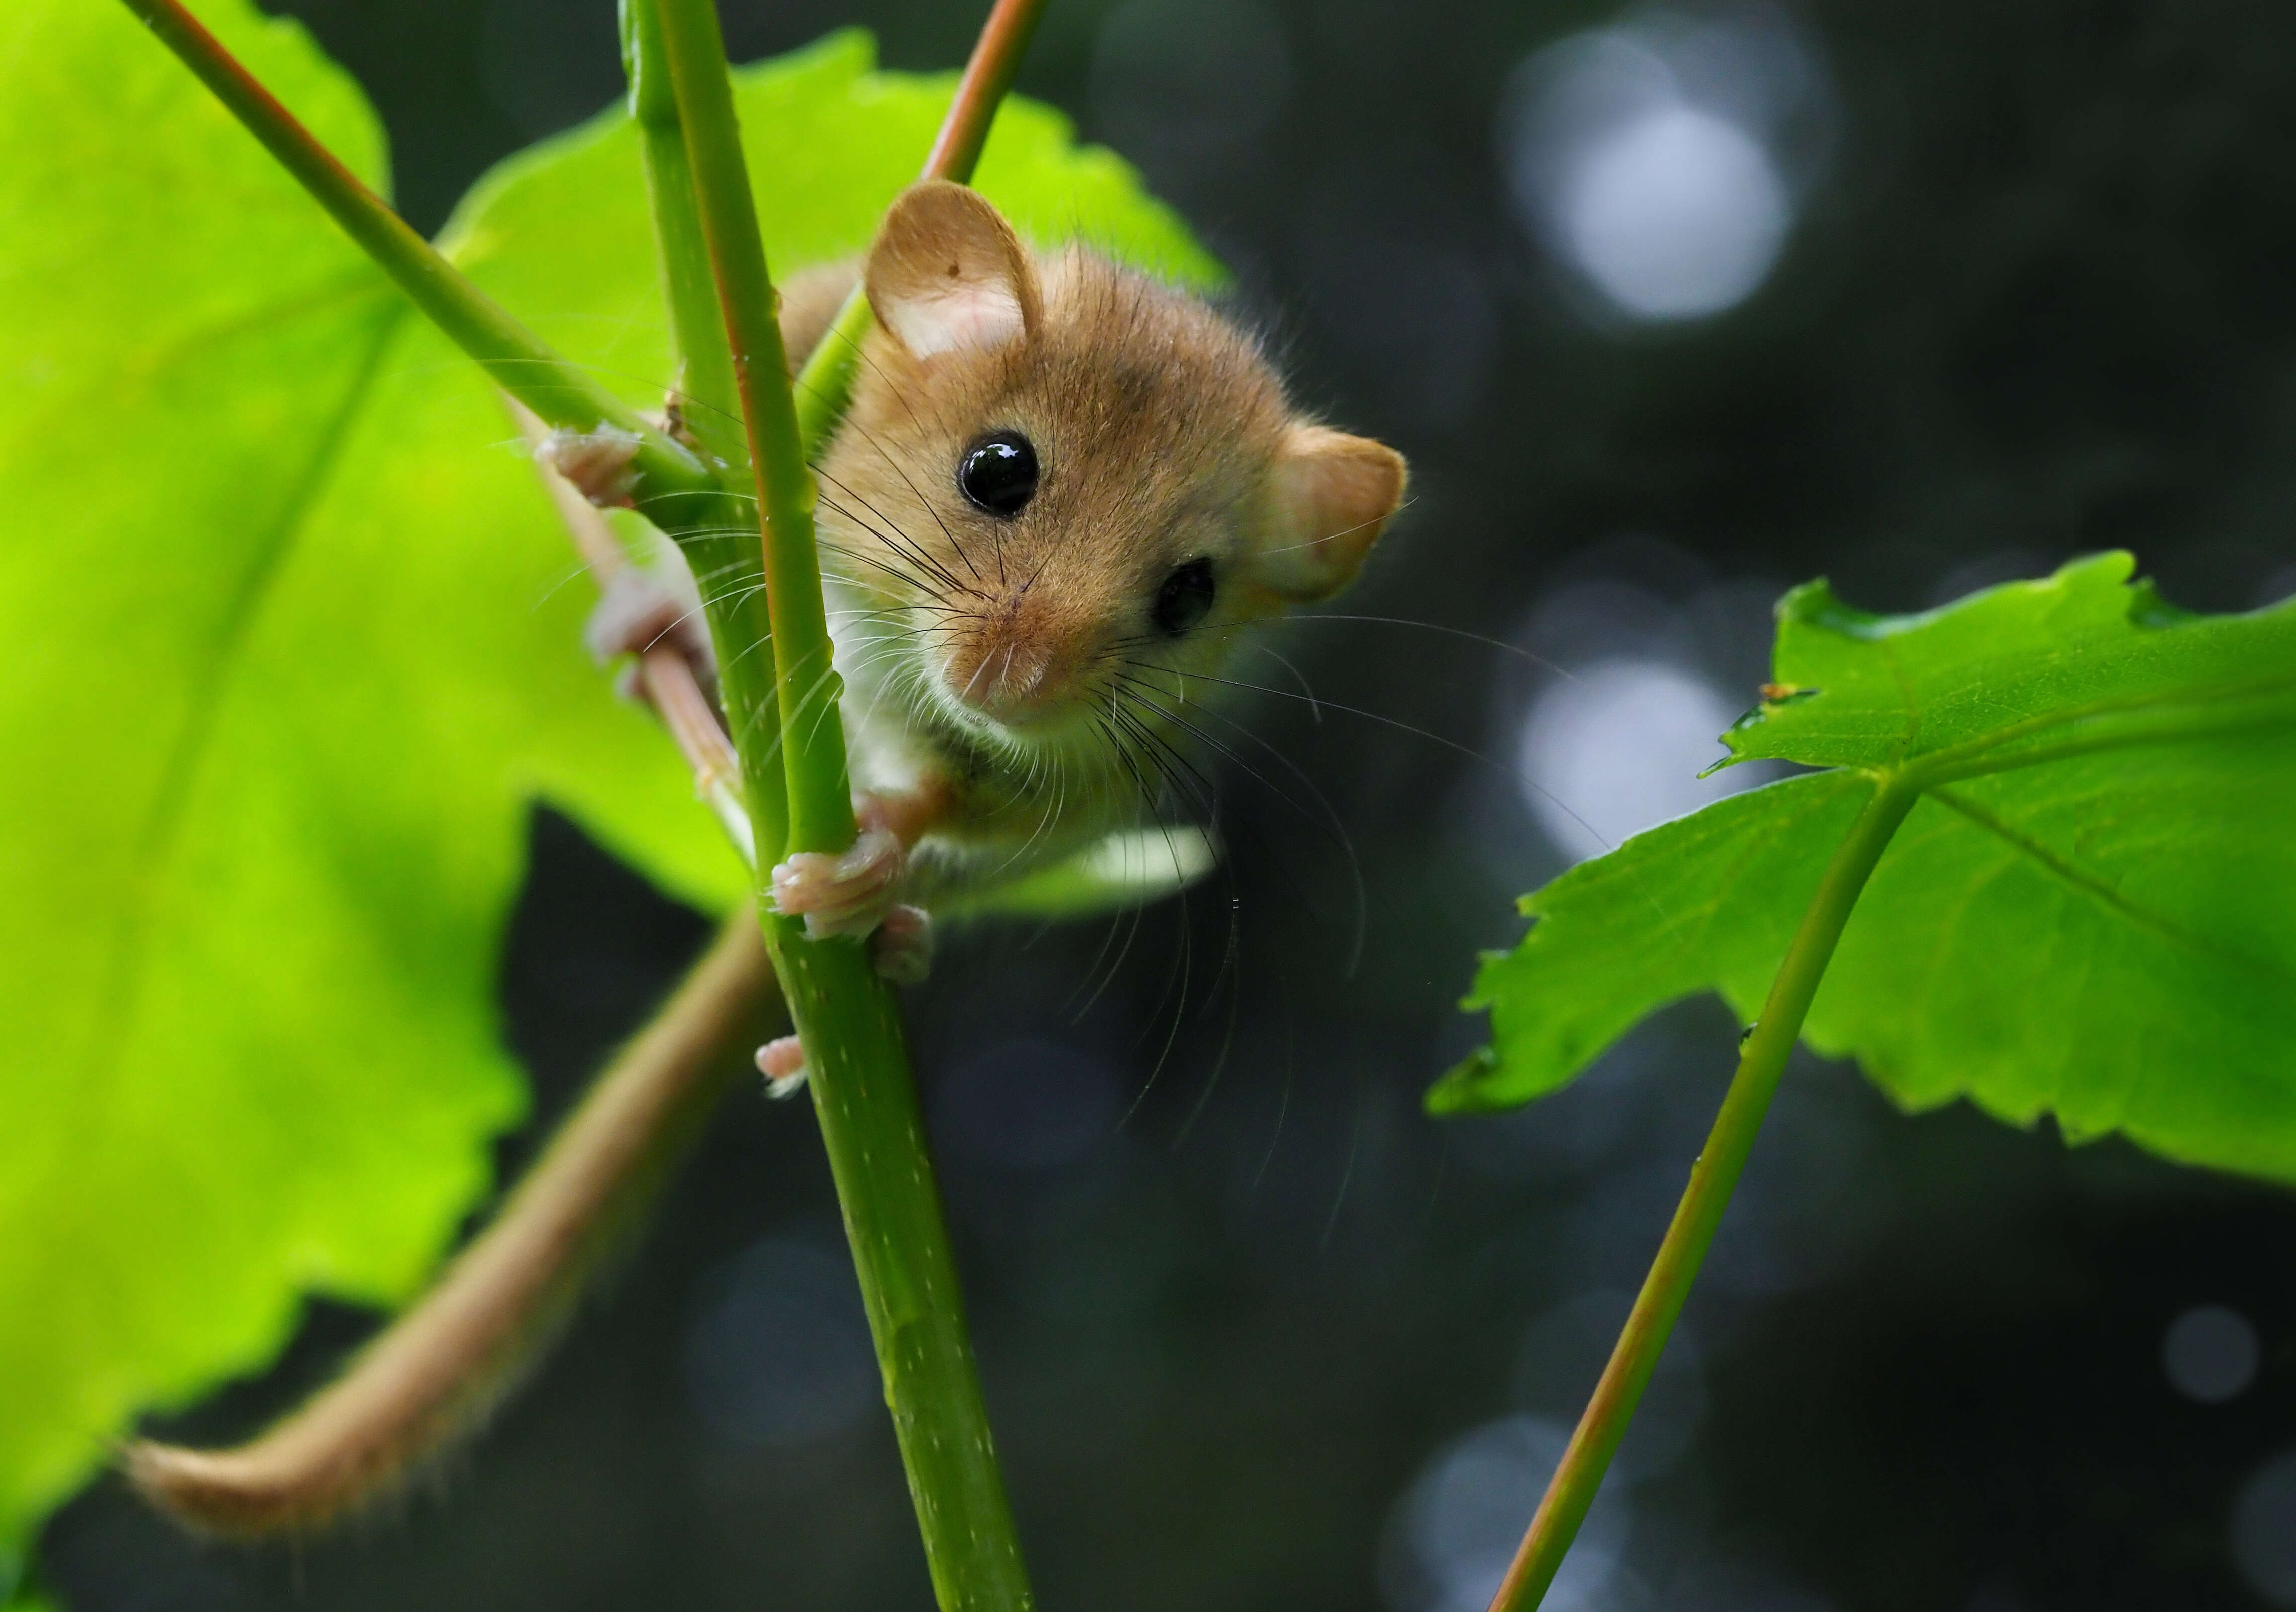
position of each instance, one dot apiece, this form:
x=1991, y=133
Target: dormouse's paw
x=842, y=895
x=636, y=612
x=598, y=463
x=782, y=1062
x=902, y=948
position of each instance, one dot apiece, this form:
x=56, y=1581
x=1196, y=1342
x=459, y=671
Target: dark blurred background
x=1670, y=306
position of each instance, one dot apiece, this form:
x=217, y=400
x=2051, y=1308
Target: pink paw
x=636, y=612
x=782, y=1064
x=903, y=946
x=841, y=895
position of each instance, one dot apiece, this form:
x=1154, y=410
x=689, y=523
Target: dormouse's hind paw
x=782, y=1062
x=902, y=948
x=598, y=463
x=842, y=895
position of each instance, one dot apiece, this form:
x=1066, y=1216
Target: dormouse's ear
x=948, y=273
x=1333, y=495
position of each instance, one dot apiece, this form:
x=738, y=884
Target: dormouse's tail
x=434, y=1376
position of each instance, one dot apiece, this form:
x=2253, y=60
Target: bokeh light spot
x=2210, y=1353
x=777, y=1352
x=2264, y=1530
x=1662, y=161
x=1617, y=748
x=1676, y=216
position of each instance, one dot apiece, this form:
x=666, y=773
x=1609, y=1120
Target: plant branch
x=846, y=1017
x=826, y=385
x=518, y=360
x=705, y=364
x=813, y=741
x=1760, y=1064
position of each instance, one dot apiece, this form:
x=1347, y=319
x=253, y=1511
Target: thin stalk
x=855, y=1056
x=705, y=365
x=517, y=359
x=1760, y=1064
x=718, y=542
x=813, y=741
x=825, y=386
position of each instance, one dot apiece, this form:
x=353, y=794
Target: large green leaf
x=292, y=648
x=2091, y=912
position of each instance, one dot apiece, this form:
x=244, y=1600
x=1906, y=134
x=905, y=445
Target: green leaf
x=2090, y=913
x=295, y=647
x=2015, y=665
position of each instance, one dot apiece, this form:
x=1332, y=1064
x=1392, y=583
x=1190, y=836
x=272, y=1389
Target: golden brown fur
x=1011, y=664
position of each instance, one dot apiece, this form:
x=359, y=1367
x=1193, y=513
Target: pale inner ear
x=963, y=314
x=948, y=273
x=1333, y=495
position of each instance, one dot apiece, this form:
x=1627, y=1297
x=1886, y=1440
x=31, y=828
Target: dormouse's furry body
x=1015, y=635
x=1060, y=491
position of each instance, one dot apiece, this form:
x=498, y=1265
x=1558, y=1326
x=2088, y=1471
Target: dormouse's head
x=1059, y=477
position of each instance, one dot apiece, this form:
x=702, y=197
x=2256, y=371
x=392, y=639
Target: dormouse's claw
x=782, y=1064
x=841, y=895
x=902, y=948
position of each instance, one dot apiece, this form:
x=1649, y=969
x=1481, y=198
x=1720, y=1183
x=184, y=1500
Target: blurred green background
x=1670, y=306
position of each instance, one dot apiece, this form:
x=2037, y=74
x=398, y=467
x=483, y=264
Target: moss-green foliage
x=2105, y=929
x=292, y=646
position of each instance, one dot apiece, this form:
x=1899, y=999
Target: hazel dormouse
x=1062, y=490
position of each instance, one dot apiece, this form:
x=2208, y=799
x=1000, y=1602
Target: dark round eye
x=1183, y=598
x=998, y=473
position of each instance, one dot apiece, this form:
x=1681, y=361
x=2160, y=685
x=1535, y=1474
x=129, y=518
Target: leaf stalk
x=1761, y=1063
x=517, y=359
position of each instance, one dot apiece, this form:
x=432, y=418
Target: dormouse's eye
x=998, y=474
x=1183, y=598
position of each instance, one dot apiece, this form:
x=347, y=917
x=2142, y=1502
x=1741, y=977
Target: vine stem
x=518, y=360
x=1760, y=1064
x=846, y=1016
x=813, y=742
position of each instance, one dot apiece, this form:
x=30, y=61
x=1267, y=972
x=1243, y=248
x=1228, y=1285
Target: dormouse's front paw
x=637, y=612
x=842, y=895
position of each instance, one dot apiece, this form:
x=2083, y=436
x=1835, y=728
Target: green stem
x=1760, y=1064
x=846, y=1015
x=717, y=541
x=705, y=364
x=517, y=359
x=813, y=741
x=826, y=385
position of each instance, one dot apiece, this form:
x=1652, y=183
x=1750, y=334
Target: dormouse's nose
x=1016, y=663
